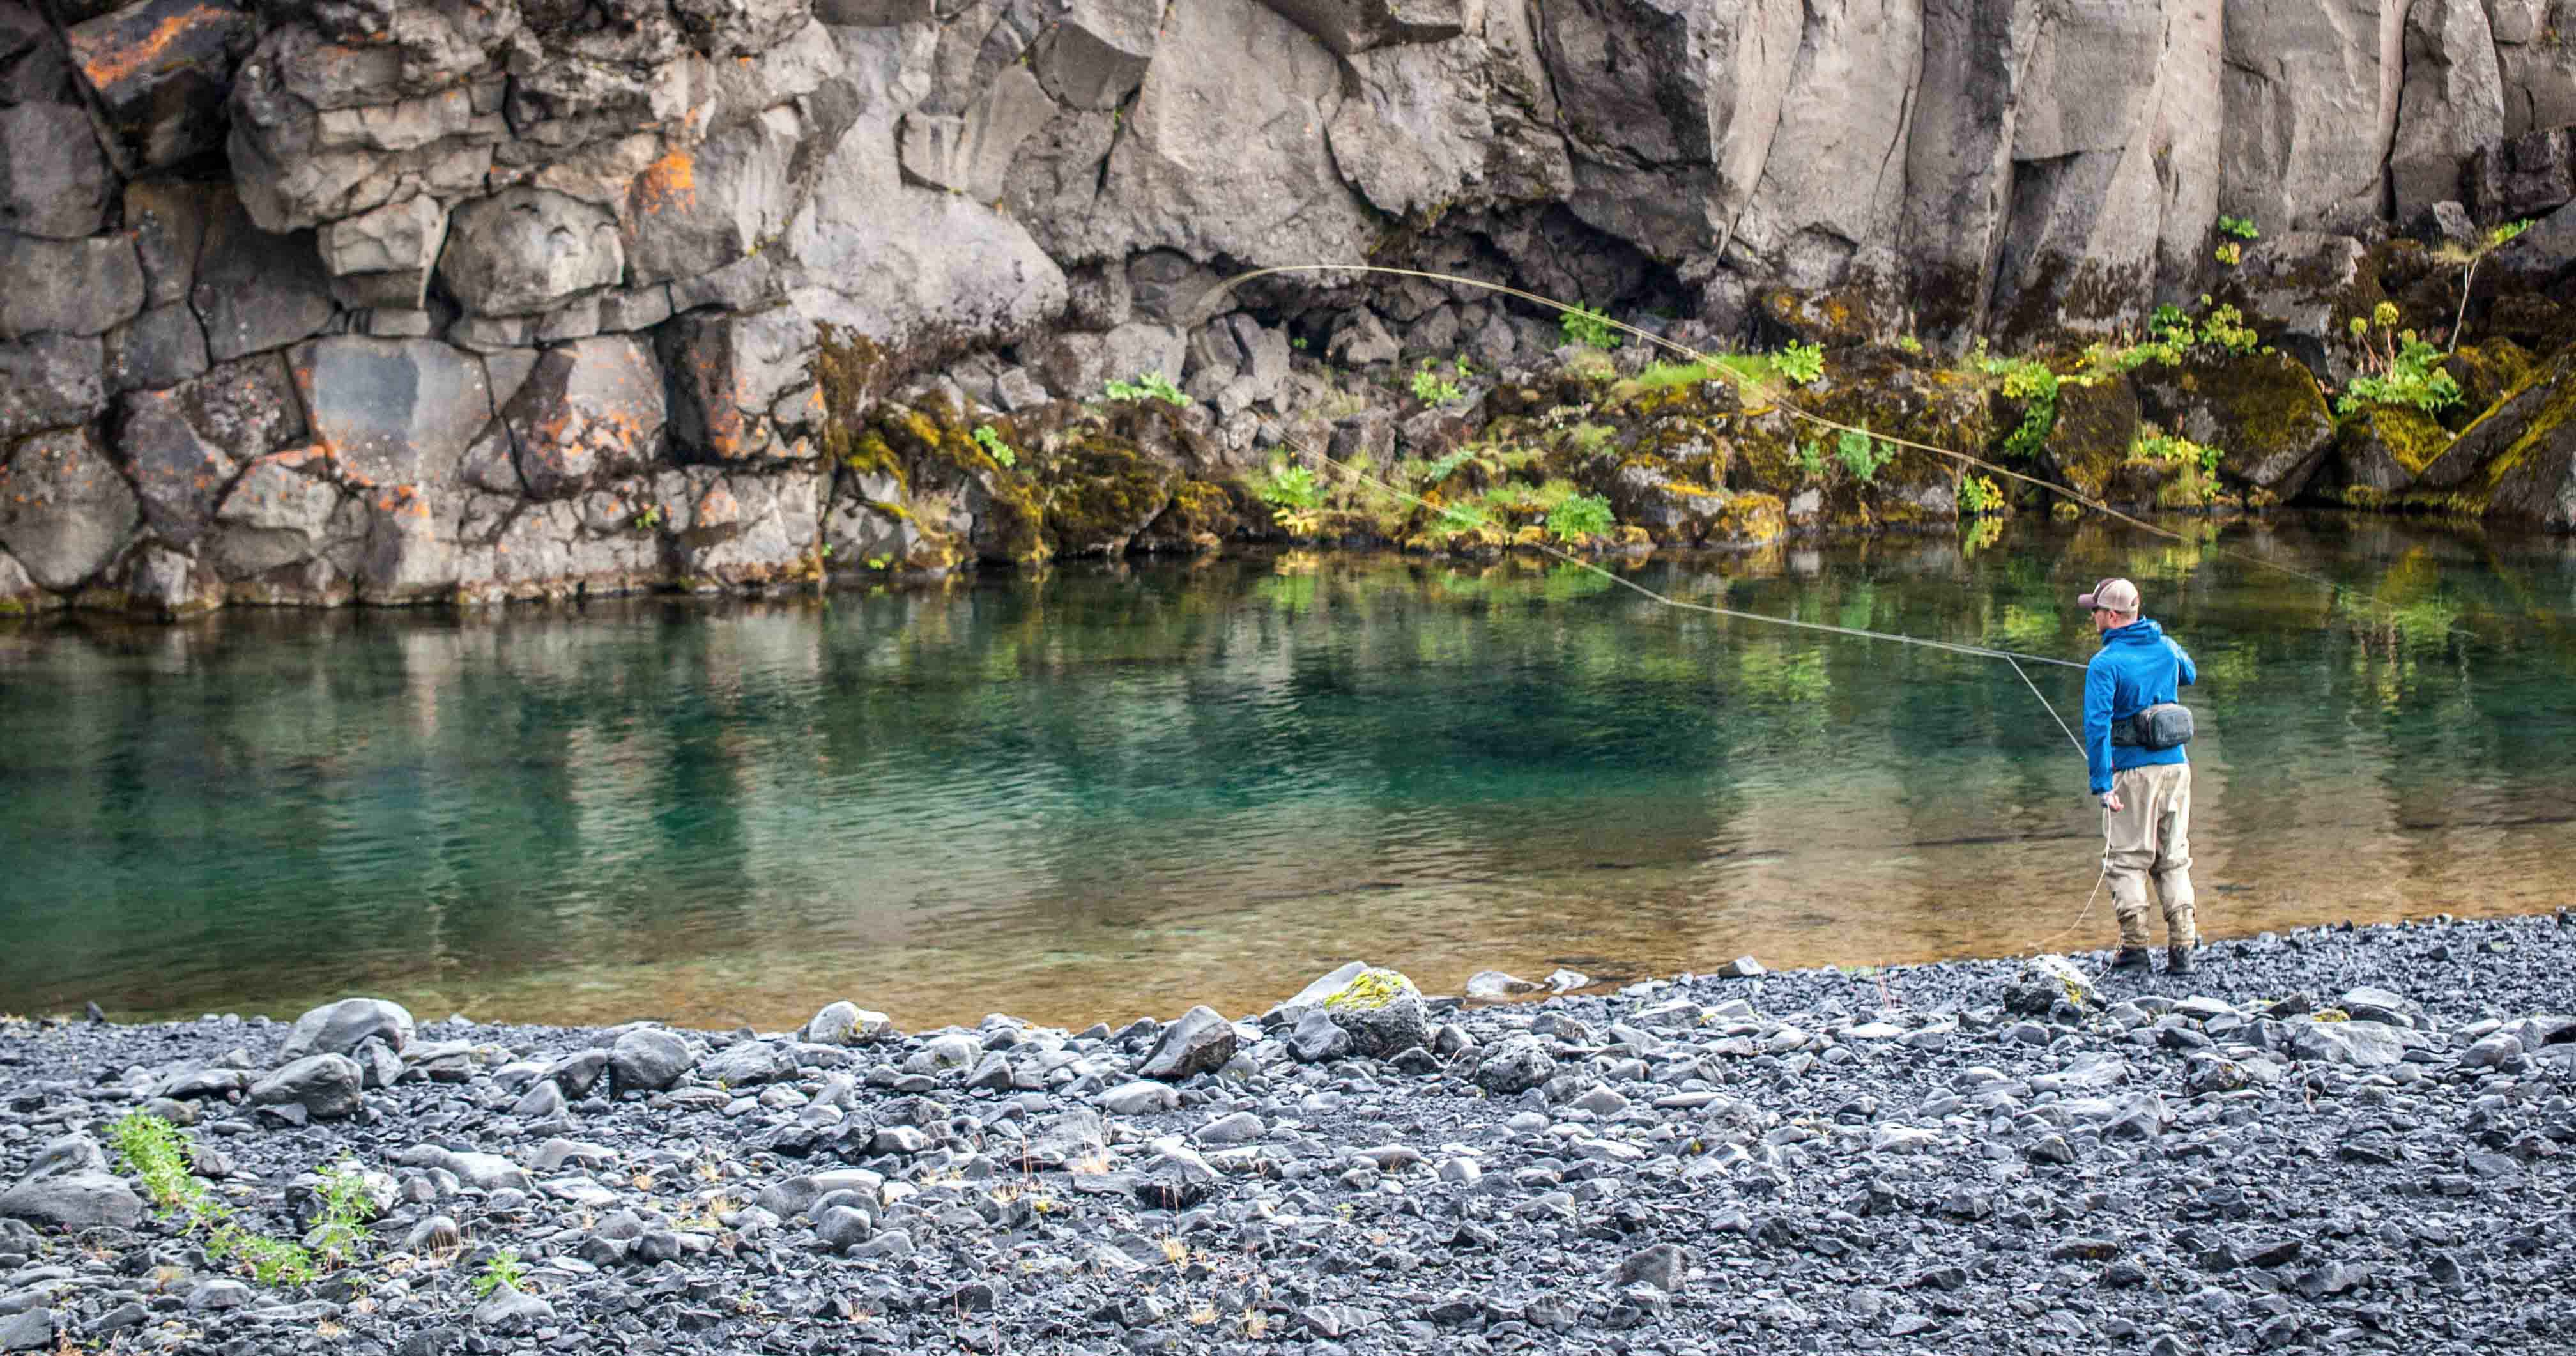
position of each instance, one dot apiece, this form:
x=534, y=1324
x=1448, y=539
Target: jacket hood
x=2143, y=631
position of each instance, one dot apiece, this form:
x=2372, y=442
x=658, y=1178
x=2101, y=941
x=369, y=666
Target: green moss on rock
x=2263, y=411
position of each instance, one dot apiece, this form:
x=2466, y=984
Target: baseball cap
x=2114, y=595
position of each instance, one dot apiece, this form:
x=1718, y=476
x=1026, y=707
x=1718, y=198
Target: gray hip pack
x=2165, y=725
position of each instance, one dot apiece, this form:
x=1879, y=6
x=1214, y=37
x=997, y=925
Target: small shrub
x=1588, y=327
x=1980, y=494
x=1811, y=459
x=1799, y=364
x=1910, y=344
x=2240, y=227
x=1580, y=516
x=990, y=439
x=2035, y=385
x=648, y=518
x=338, y=1234
x=1295, y=496
x=1148, y=386
x=2398, y=368
x=503, y=1269
x=2230, y=254
x=2179, y=451
x=1431, y=388
x=1863, y=455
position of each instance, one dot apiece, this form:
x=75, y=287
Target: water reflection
x=1125, y=790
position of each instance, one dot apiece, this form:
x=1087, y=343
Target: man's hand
x=2111, y=802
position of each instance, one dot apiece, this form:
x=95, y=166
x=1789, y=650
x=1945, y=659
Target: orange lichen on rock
x=669, y=182
x=114, y=63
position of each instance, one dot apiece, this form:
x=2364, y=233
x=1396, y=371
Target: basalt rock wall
x=312, y=301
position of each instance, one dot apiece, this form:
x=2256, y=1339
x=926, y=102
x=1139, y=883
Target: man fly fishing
x=2133, y=737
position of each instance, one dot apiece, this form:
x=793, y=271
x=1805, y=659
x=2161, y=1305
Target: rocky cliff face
x=318, y=300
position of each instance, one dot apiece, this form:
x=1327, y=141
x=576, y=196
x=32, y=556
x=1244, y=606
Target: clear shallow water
x=1122, y=791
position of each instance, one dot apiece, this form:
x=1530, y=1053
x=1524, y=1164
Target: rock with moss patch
x=2095, y=427
x=2383, y=449
x=2518, y=461
x=2045, y=982
x=1382, y=1011
x=2486, y=373
x=2263, y=411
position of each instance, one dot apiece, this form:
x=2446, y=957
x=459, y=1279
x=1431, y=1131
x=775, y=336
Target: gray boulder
x=393, y=411
x=1095, y=53
x=2366, y=1045
x=54, y=180
x=326, y=1087
x=970, y=152
x=648, y=1059
x=169, y=221
x=1318, y=1038
x=256, y=291
x=483, y=1172
x=65, y=510
x=2450, y=105
x=510, y=1311
x=1515, y=1065
x=1382, y=1011
x=527, y=250
x=161, y=347
x=180, y=477
x=727, y=371
x=846, y=1023
x=589, y=412
x=49, y=381
x=276, y=514
x=385, y=257
x=748, y=1065
x=161, y=70
x=2305, y=98
x=718, y=203
x=1200, y=1042
x=82, y=287
x=70, y=1187
x=340, y=1028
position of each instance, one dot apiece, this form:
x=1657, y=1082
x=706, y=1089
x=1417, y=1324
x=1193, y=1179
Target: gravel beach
x=2331, y=1140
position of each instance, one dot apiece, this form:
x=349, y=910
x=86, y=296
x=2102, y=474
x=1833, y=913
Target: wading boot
x=2130, y=958
x=2177, y=960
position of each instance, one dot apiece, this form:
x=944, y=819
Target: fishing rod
x=1744, y=384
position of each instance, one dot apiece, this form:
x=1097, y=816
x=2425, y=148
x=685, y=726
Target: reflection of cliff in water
x=1115, y=790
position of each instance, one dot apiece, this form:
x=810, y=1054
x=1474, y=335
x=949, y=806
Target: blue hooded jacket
x=2137, y=667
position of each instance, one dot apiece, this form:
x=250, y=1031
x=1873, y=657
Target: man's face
x=2104, y=619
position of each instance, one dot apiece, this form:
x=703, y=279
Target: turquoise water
x=1121, y=790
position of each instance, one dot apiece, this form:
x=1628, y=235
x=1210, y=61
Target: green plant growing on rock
x=2034, y=384
x=501, y=1269
x=1295, y=497
x=2467, y=258
x=990, y=439
x=1431, y=388
x=1810, y=458
x=648, y=518
x=338, y=1233
x=2230, y=254
x=2240, y=227
x=2398, y=367
x=1799, y=364
x=1580, y=516
x=1147, y=386
x=1980, y=495
x=2179, y=451
x=1588, y=327
x=154, y=1151
x=1863, y=455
